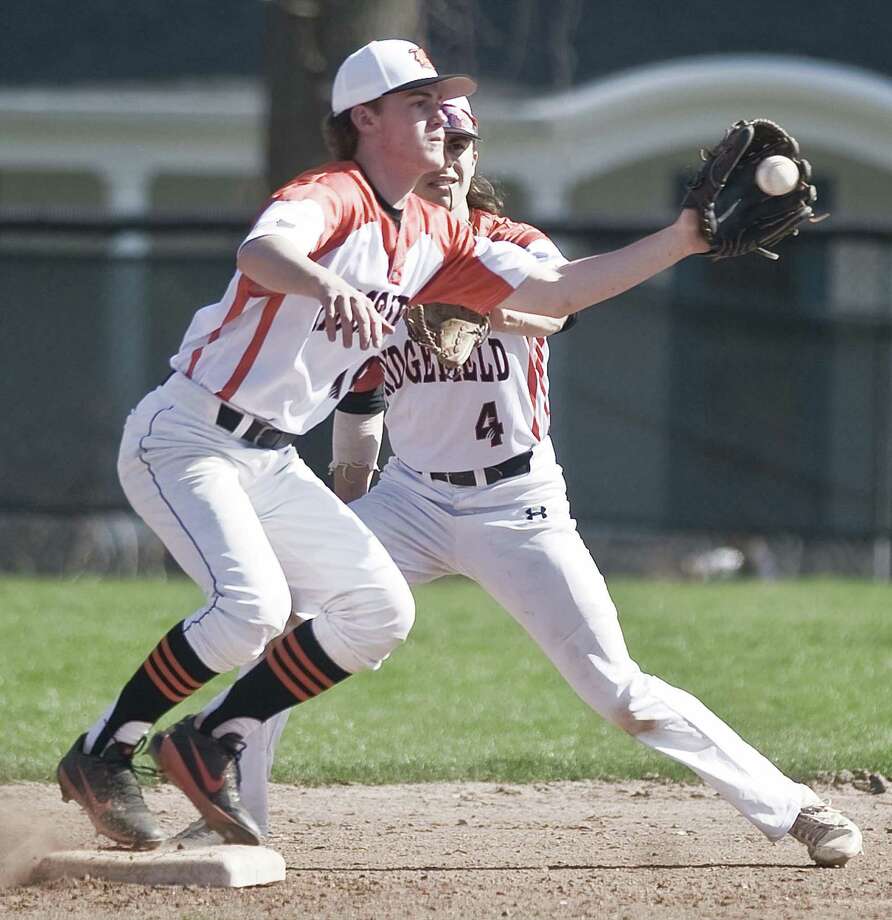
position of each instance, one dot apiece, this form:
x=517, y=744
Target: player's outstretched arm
x=280, y=265
x=585, y=282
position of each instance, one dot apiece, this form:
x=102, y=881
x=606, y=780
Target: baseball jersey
x=267, y=353
x=493, y=407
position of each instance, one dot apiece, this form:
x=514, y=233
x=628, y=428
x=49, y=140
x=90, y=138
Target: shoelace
x=807, y=831
x=125, y=773
x=123, y=781
x=812, y=811
x=146, y=771
x=809, y=826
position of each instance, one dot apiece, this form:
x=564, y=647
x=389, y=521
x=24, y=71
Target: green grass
x=801, y=669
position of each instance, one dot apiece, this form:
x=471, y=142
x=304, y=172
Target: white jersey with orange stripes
x=267, y=354
x=497, y=404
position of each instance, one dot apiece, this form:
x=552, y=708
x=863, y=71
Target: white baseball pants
x=540, y=571
x=260, y=534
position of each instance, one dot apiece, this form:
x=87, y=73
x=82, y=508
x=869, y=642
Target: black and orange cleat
x=106, y=787
x=206, y=770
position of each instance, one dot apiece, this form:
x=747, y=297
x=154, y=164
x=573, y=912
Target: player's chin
x=436, y=190
x=436, y=194
x=432, y=156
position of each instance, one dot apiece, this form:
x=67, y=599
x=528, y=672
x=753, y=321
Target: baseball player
x=474, y=489
x=208, y=460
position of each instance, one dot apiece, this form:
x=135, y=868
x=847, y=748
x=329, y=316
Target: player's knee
x=402, y=606
x=614, y=686
x=371, y=623
x=636, y=709
x=632, y=723
x=391, y=622
x=253, y=618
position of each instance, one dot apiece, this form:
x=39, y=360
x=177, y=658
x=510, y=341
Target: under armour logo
x=531, y=513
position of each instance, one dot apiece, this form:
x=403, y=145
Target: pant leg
x=417, y=536
x=417, y=533
x=257, y=765
x=545, y=578
x=189, y=485
x=336, y=568
x=256, y=762
x=261, y=534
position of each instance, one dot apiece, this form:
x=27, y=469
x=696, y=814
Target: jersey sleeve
x=546, y=252
x=529, y=237
x=309, y=214
x=477, y=273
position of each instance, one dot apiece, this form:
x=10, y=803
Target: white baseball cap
x=390, y=66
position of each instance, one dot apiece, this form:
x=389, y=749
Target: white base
x=213, y=867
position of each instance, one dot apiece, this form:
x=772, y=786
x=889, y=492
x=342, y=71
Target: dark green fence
x=745, y=396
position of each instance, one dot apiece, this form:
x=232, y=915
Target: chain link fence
x=743, y=402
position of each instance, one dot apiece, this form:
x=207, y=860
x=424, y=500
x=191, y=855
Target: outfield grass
x=801, y=669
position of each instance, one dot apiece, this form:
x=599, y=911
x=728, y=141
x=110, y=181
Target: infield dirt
x=583, y=849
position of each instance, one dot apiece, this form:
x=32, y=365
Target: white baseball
x=777, y=175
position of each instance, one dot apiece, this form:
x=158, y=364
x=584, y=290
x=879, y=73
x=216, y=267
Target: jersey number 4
x=488, y=425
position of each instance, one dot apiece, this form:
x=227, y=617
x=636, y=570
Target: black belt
x=513, y=466
x=258, y=432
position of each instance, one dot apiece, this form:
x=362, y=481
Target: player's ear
x=364, y=118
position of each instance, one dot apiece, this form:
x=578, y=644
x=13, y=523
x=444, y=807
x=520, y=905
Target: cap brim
x=451, y=85
x=460, y=132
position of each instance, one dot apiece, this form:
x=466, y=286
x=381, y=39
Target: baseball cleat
x=206, y=770
x=831, y=838
x=197, y=834
x=106, y=787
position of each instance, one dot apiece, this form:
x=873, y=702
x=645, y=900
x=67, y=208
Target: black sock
x=171, y=673
x=294, y=668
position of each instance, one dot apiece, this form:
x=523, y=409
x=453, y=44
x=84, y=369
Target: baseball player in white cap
x=208, y=458
x=474, y=489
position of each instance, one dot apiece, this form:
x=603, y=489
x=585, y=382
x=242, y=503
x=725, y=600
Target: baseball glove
x=737, y=217
x=451, y=332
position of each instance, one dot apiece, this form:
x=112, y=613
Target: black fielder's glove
x=737, y=217
x=451, y=332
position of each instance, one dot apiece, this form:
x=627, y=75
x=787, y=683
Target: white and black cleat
x=831, y=838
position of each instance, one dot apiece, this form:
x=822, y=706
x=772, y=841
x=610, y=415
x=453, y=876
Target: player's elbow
x=543, y=295
x=252, y=257
x=556, y=302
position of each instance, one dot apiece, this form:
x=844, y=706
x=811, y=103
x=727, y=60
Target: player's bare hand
x=369, y=325
x=345, y=307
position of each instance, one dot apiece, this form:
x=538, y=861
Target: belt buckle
x=275, y=440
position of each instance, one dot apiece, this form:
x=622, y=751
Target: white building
x=615, y=147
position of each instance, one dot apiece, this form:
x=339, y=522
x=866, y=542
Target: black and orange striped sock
x=171, y=673
x=294, y=669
